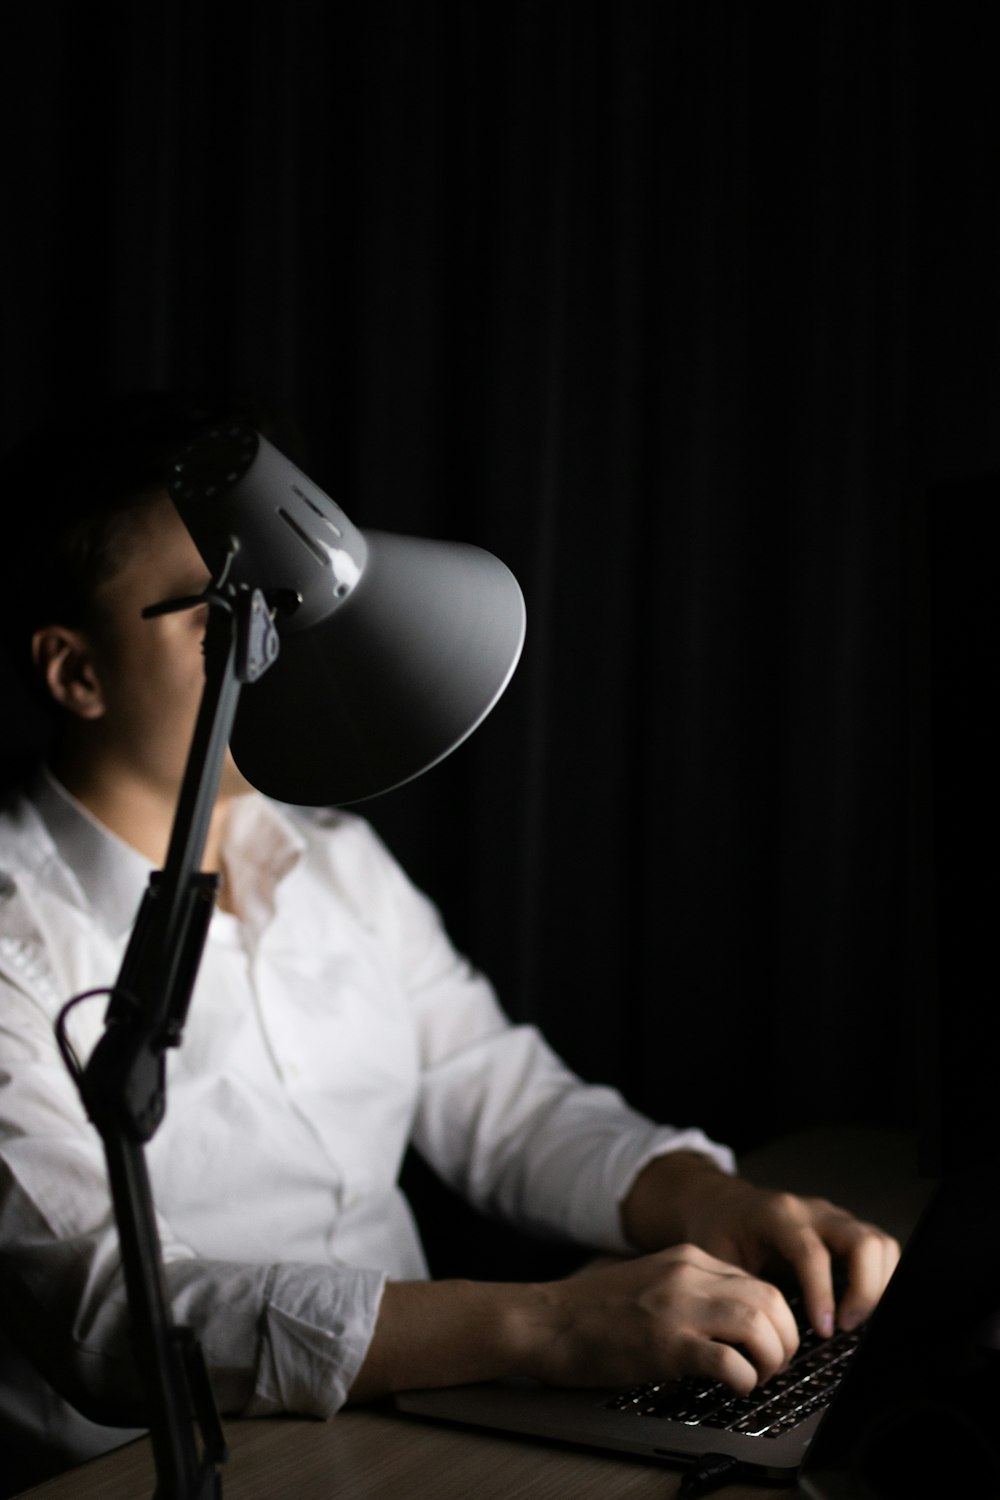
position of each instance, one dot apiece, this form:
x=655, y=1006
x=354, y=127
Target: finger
x=781, y=1315
x=869, y=1260
x=760, y=1324
x=742, y=1290
x=803, y=1248
x=712, y=1360
x=868, y=1257
x=813, y=1266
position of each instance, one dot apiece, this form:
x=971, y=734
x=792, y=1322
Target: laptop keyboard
x=807, y=1386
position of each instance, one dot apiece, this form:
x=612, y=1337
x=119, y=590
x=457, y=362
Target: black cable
x=710, y=1472
x=69, y=1056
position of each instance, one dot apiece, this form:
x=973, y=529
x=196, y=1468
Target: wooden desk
x=377, y=1455
x=371, y=1455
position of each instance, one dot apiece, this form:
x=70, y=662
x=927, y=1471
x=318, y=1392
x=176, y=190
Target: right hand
x=676, y=1312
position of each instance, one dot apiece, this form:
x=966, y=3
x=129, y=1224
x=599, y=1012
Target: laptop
x=913, y=1396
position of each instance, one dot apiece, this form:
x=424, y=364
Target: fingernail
x=826, y=1324
x=849, y=1319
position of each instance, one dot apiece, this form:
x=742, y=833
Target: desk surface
x=361, y=1455
x=370, y=1455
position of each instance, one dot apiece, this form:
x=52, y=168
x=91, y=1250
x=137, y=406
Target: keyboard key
x=782, y=1403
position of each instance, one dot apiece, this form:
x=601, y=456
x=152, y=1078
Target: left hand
x=763, y=1232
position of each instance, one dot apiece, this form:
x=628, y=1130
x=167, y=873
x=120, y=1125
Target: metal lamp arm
x=123, y=1083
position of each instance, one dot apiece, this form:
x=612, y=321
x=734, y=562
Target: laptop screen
x=918, y=1413
x=958, y=678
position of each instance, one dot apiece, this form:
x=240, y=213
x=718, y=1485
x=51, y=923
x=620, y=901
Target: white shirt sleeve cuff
x=315, y=1333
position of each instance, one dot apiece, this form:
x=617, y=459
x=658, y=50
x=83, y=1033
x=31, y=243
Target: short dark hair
x=72, y=494
x=69, y=494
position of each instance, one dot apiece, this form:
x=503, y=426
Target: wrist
x=669, y=1197
x=454, y=1332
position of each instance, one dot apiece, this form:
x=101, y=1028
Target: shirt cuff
x=315, y=1330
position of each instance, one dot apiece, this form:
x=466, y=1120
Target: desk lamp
x=369, y=657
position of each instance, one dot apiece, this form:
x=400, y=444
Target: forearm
x=448, y=1333
x=651, y=1317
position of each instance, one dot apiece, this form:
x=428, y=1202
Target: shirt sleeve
x=285, y=1337
x=500, y=1116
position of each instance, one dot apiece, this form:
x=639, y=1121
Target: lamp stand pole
x=123, y=1085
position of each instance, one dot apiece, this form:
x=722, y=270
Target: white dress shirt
x=332, y=1024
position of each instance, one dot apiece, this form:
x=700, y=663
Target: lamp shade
x=392, y=648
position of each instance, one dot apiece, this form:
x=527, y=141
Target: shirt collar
x=111, y=874
x=260, y=847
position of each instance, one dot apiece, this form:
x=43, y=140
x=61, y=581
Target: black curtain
x=680, y=309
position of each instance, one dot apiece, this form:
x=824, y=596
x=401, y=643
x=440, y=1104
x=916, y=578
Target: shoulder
x=25, y=960
x=24, y=842
x=28, y=855
x=39, y=900
x=342, y=842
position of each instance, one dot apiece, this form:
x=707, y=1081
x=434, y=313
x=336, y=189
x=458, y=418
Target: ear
x=63, y=659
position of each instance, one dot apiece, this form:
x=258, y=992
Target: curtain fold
x=677, y=308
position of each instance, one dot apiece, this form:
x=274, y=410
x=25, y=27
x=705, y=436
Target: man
x=332, y=1024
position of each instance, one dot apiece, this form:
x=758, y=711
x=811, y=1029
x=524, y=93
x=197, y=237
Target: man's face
x=152, y=672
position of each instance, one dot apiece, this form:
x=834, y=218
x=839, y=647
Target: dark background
x=683, y=310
